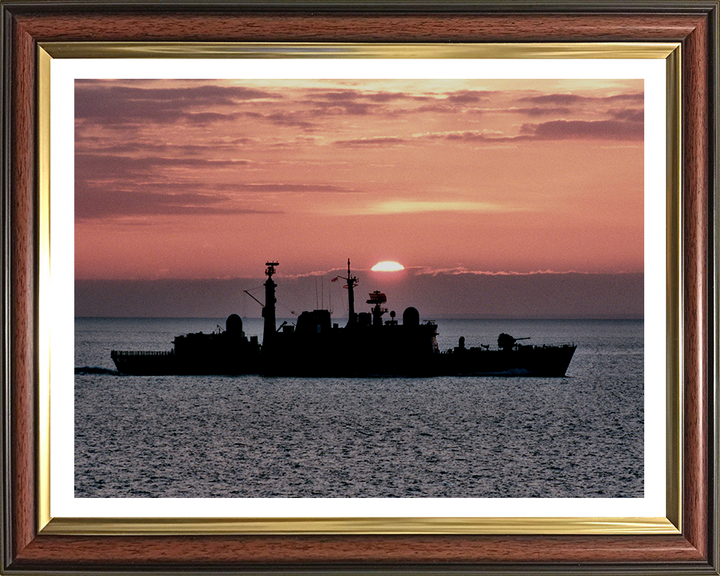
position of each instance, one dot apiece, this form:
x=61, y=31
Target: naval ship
x=368, y=345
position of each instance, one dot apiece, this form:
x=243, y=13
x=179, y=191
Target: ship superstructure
x=227, y=351
x=368, y=345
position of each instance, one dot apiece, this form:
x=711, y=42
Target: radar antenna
x=377, y=298
x=270, y=270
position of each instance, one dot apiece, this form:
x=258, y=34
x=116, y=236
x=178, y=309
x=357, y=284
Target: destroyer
x=368, y=345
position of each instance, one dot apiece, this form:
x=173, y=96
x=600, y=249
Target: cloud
x=360, y=103
x=629, y=114
x=94, y=166
x=468, y=96
x=101, y=147
x=345, y=108
x=458, y=136
x=466, y=136
x=349, y=102
x=292, y=187
x=225, y=189
x=554, y=99
x=617, y=106
x=111, y=104
x=541, y=111
x=443, y=108
x=459, y=270
x=121, y=203
x=199, y=94
x=637, y=97
x=627, y=128
x=373, y=141
x=111, y=186
x=580, y=129
x=570, y=99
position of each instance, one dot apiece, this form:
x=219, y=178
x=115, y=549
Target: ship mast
x=268, y=311
x=351, y=283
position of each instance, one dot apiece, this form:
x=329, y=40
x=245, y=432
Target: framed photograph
x=359, y=287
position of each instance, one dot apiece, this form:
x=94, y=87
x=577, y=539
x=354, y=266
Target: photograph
x=359, y=288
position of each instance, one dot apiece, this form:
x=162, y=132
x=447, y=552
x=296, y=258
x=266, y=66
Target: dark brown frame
x=692, y=23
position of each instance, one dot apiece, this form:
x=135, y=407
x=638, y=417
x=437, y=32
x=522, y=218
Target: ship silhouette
x=368, y=345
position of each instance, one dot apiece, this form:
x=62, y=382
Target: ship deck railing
x=141, y=353
x=515, y=347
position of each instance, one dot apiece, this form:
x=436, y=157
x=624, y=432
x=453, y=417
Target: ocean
x=450, y=437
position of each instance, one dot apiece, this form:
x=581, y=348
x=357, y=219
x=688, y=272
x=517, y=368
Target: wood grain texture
x=688, y=553
x=217, y=552
x=695, y=239
x=22, y=261
x=290, y=27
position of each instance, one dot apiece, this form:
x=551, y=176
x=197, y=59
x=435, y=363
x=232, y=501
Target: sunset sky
x=206, y=180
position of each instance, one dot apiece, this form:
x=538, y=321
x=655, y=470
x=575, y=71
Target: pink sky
x=208, y=179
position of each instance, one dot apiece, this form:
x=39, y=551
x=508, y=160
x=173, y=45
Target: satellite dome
x=233, y=324
x=411, y=317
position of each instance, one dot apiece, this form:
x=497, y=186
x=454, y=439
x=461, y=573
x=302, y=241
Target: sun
x=387, y=266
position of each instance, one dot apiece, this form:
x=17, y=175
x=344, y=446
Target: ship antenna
x=351, y=283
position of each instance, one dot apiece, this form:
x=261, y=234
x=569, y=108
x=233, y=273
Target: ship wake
x=82, y=370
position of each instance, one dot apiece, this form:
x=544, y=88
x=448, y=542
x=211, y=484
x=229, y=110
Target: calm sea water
x=251, y=436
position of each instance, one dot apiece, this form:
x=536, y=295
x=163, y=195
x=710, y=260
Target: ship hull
x=145, y=363
x=325, y=360
x=169, y=363
x=541, y=361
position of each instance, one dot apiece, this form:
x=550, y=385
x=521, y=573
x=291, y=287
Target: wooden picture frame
x=28, y=546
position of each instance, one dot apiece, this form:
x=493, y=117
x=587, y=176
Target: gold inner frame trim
x=564, y=50
x=407, y=526
x=674, y=319
x=44, y=292
x=229, y=526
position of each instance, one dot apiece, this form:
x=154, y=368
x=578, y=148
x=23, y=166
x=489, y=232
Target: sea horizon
x=433, y=318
